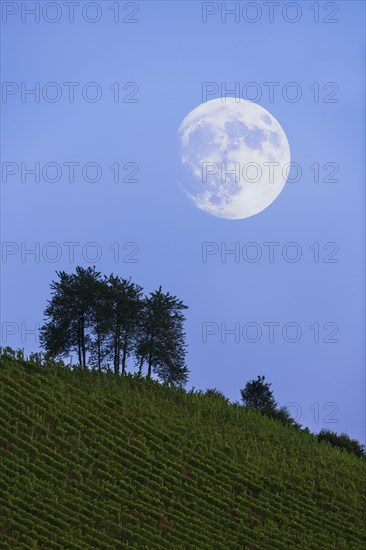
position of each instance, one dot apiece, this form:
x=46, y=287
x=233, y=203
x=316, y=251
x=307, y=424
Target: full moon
x=235, y=157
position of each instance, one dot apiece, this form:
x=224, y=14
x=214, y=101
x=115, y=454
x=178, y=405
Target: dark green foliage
x=258, y=395
x=216, y=394
x=282, y=415
x=107, y=320
x=123, y=316
x=161, y=341
x=342, y=441
x=100, y=325
x=92, y=461
x=69, y=314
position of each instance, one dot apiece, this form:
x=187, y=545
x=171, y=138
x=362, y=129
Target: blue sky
x=168, y=54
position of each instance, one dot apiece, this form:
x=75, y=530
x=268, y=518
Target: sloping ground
x=88, y=462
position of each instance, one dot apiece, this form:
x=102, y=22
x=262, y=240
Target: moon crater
x=235, y=157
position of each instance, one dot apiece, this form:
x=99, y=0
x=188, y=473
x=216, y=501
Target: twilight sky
x=99, y=132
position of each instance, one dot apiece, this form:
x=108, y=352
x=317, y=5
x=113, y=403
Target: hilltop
x=94, y=461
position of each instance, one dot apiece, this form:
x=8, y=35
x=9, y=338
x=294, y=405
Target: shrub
x=342, y=441
x=283, y=416
x=217, y=394
x=258, y=395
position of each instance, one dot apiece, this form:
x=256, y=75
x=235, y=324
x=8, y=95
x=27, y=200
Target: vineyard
x=91, y=461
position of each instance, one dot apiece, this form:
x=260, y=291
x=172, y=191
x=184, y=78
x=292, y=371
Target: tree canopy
x=258, y=394
x=108, y=321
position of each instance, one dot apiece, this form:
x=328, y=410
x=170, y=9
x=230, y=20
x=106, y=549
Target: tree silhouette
x=108, y=319
x=69, y=314
x=161, y=342
x=100, y=325
x=124, y=308
x=342, y=441
x=257, y=394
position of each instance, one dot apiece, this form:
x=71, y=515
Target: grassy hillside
x=90, y=462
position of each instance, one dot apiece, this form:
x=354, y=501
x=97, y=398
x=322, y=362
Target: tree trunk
x=79, y=344
x=83, y=350
x=83, y=345
x=99, y=354
x=149, y=365
x=124, y=357
x=79, y=354
x=116, y=352
x=141, y=363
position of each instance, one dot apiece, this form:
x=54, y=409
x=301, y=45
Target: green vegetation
x=94, y=461
x=258, y=395
x=342, y=441
x=107, y=320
